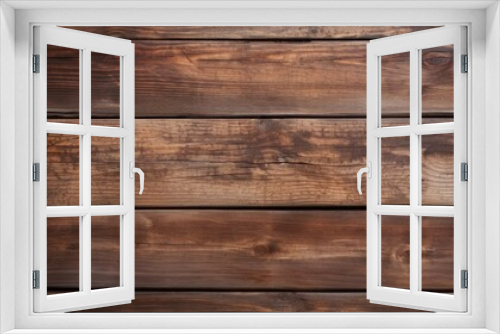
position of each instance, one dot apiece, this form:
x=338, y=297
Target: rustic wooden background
x=250, y=139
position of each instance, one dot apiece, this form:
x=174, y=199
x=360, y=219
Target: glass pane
x=437, y=84
x=63, y=84
x=63, y=255
x=105, y=251
x=105, y=89
x=395, y=88
x=395, y=171
x=395, y=252
x=437, y=169
x=106, y=171
x=437, y=254
x=63, y=170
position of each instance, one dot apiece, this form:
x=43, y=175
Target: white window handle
x=133, y=170
x=368, y=171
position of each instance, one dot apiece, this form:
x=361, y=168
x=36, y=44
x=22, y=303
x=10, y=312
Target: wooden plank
x=253, y=33
x=159, y=301
x=247, y=162
x=241, y=250
x=242, y=78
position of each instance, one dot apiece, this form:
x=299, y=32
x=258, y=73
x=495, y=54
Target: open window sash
x=83, y=44
x=414, y=297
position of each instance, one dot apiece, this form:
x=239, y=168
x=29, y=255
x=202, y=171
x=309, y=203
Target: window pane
x=395, y=171
x=437, y=84
x=105, y=89
x=437, y=254
x=106, y=171
x=395, y=88
x=105, y=251
x=63, y=170
x=63, y=84
x=437, y=169
x=395, y=253
x=63, y=255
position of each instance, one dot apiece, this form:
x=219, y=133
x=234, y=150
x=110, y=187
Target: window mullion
x=414, y=172
x=86, y=163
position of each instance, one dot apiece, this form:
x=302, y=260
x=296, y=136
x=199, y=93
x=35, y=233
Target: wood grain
x=243, y=78
x=251, y=162
x=158, y=301
x=253, y=33
x=248, y=250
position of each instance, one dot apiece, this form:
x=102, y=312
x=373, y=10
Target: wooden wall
x=250, y=139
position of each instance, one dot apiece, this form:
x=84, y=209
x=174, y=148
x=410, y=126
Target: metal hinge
x=464, y=171
x=465, y=279
x=465, y=64
x=36, y=172
x=36, y=279
x=36, y=63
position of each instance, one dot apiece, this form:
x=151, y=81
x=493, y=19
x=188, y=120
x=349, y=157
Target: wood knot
x=266, y=249
x=402, y=255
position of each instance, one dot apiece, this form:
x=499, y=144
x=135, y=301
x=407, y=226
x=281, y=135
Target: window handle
x=133, y=170
x=368, y=171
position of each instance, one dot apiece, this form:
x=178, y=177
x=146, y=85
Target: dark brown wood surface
x=252, y=33
x=184, y=301
x=242, y=78
x=248, y=250
x=284, y=229
x=251, y=162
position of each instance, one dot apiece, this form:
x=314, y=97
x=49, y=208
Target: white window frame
x=483, y=314
x=414, y=43
x=85, y=44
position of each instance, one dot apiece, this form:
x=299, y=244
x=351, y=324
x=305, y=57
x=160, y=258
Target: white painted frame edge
x=256, y=17
x=492, y=162
x=7, y=168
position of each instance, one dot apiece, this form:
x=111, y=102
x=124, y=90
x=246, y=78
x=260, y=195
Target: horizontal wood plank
x=241, y=78
x=159, y=301
x=249, y=162
x=238, y=250
x=253, y=33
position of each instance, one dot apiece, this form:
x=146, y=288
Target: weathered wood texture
x=251, y=162
x=158, y=301
x=243, y=260
x=238, y=250
x=242, y=78
x=252, y=33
